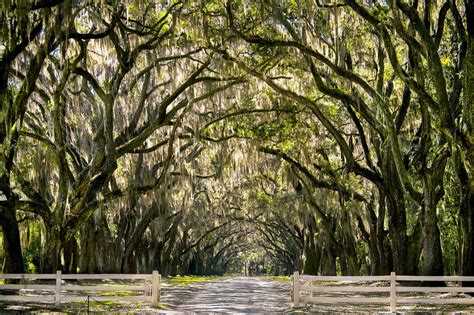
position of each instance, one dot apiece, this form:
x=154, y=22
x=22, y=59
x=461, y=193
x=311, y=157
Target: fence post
x=393, y=292
x=155, y=287
x=296, y=289
x=159, y=287
x=57, y=298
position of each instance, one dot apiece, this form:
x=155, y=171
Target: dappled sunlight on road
x=233, y=295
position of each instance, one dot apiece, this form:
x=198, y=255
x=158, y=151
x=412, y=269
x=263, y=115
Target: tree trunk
x=11, y=242
x=466, y=171
x=313, y=259
x=328, y=264
x=313, y=256
x=88, y=256
x=70, y=254
x=467, y=225
x=415, y=246
x=396, y=214
x=381, y=236
x=398, y=237
x=174, y=267
x=432, y=256
x=156, y=257
x=50, y=261
x=349, y=248
x=372, y=240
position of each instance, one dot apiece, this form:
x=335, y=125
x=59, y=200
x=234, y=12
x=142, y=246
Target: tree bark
x=313, y=256
x=328, y=264
x=432, y=255
x=465, y=171
x=381, y=236
x=415, y=247
x=70, y=254
x=11, y=241
x=88, y=256
x=467, y=225
x=395, y=202
x=50, y=262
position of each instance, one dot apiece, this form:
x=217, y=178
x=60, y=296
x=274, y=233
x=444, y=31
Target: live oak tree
x=30, y=31
x=407, y=130
x=334, y=135
x=77, y=74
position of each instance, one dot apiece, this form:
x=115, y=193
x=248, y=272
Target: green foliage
x=33, y=248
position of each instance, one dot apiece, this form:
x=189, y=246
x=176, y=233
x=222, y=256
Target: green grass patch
x=110, y=284
x=162, y=306
x=185, y=280
x=94, y=306
x=121, y=293
x=277, y=278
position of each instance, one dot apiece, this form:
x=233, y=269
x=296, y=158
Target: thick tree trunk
x=468, y=74
x=174, y=268
x=353, y=266
x=313, y=259
x=370, y=237
x=465, y=172
x=415, y=247
x=467, y=225
x=396, y=214
x=156, y=257
x=349, y=250
x=381, y=236
x=70, y=254
x=328, y=263
x=432, y=255
x=312, y=254
x=50, y=261
x=13, y=262
x=398, y=236
x=88, y=256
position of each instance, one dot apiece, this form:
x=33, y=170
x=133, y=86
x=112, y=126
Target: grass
x=162, y=306
x=180, y=281
x=277, y=278
x=94, y=306
x=113, y=286
x=121, y=293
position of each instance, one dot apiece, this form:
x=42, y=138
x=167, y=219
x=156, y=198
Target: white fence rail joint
x=151, y=287
x=317, y=289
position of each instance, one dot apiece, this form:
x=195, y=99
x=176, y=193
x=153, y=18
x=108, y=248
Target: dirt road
x=232, y=295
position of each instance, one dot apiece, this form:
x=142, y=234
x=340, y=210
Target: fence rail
x=311, y=289
x=151, y=287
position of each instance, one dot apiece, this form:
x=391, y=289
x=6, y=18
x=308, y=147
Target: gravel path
x=223, y=295
x=232, y=295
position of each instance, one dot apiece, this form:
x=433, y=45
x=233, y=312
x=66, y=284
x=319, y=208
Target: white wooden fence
x=317, y=289
x=150, y=288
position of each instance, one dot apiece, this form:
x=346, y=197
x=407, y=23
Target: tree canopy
x=205, y=137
